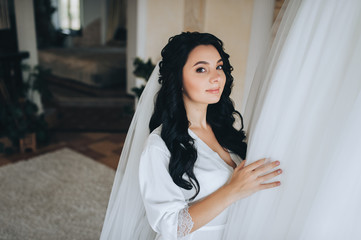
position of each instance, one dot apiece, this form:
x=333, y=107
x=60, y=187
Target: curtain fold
x=116, y=18
x=304, y=109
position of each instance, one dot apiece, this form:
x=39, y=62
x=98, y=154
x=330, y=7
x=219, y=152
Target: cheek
x=192, y=86
x=223, y=80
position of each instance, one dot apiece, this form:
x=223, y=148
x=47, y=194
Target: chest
x=210, y=140
x=211, y=173
x=210, y=170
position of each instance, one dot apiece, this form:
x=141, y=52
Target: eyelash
x=202, y=70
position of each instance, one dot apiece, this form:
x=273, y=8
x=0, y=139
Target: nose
x=215, y=77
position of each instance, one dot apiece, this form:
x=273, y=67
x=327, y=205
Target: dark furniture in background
x=11, y=74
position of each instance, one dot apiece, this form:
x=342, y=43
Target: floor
x=102, y=147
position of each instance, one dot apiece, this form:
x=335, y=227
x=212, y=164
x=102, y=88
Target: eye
x=200, y=70
x=220, y=67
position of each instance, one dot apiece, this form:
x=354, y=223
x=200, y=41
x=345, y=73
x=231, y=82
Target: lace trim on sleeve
x=185, y=223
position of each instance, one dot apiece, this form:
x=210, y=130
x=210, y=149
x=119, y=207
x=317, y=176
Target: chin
x=214, y=100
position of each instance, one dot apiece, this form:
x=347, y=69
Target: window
x=69, y=16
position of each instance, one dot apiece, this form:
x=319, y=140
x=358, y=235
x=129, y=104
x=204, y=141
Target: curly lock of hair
x=170, y=112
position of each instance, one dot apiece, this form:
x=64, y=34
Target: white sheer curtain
x=262, y=18
x=304, y=109
x=125, y=217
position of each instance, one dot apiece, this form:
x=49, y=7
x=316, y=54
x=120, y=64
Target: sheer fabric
x=125, y=217
x=304, y=109
x=185, y=223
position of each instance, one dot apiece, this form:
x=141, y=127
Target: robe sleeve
x=165, y=204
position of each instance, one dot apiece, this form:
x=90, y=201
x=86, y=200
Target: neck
x=196, y=114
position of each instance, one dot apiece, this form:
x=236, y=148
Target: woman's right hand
x=252, y=178
x=244, y=182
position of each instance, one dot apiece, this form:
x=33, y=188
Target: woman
x=191, y=168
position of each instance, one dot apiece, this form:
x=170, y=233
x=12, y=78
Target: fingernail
x=279, y=171
x=277, y=163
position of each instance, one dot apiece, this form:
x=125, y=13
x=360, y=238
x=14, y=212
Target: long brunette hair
x=170, y=112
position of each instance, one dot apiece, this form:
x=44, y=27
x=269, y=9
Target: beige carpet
x=59, y=195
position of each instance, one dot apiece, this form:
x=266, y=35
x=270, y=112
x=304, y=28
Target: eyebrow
x=205, y=62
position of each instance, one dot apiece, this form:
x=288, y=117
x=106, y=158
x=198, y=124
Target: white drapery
x=304, y=109
x=125, y=217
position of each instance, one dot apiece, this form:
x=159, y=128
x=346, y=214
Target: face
x=203, y=76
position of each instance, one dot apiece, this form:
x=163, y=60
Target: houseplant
x=142, y=70
x=20, y=119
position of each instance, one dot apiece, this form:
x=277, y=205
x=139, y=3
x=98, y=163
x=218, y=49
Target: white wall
x=25, y=25
x=103, y=24
x=230, y=21
x=164, y=19
x=136, y=37
x=92, y=9
x=149, y=25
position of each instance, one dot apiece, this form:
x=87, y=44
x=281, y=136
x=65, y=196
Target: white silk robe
x=164, y=200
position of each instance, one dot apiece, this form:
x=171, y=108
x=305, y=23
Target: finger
x=269, y=185
x=266, y=167
x=269, y=176
x=256, y=164
x=241, y=165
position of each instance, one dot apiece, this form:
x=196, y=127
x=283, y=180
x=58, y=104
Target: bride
x=191, y=166
x=188, y=170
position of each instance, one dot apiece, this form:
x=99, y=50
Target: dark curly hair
x=170, y=112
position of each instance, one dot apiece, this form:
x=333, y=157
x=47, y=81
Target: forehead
x=203, y=53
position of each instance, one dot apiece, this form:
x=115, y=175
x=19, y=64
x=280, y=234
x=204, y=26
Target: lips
x=213, y=90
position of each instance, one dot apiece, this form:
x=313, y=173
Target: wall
x=25, y=26
x=92, y=9
x=230, y=20
x=164, y=19
x=136, y=25
x=149, y=25
x=93, y=22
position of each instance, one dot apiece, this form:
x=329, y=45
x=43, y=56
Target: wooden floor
x=102, y=147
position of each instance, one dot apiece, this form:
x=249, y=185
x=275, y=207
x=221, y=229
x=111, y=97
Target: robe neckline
x=210, y=150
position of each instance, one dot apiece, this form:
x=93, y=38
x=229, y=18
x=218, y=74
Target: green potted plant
x=142, y=70
x=20, y=120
